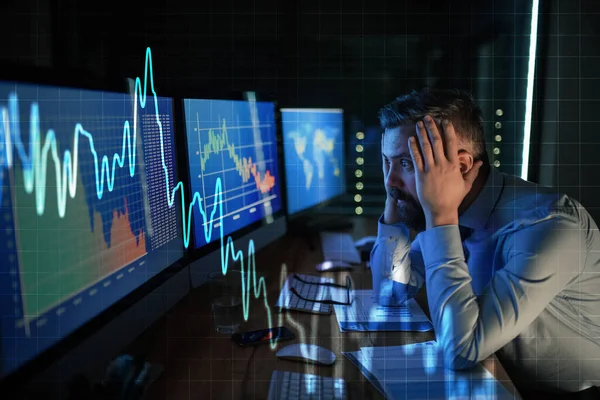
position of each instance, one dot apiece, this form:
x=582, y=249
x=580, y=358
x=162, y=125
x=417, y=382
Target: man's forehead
x=396, y=139
x=403, y=131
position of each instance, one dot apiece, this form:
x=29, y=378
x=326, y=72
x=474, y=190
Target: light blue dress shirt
x=520, y=277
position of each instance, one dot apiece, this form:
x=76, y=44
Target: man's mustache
x=400, y=195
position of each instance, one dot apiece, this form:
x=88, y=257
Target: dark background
x=350, y=54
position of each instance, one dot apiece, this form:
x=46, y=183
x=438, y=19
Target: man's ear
x=466, y=161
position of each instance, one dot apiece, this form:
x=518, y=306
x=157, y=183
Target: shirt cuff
x=441, y=244
x=395, y=230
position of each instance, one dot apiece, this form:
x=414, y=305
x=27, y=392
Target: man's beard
x=410, y=211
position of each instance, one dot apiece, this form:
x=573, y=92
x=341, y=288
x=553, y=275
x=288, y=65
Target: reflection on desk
x=201, y=363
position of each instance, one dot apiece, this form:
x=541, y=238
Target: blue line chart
x=35, y=165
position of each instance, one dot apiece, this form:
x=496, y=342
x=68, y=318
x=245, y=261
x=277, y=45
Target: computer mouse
x=308, y=353
x=327, y=266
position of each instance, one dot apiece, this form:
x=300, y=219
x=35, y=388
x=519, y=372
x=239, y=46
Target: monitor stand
x=310, y=227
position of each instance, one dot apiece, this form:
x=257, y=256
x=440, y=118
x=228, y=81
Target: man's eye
x=406, y=164
x=387, y=162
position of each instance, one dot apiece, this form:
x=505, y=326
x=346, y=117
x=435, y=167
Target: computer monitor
x=85, y=217
x=233, y=158
x=313, y=142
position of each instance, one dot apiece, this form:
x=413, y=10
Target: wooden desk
x=203, y=364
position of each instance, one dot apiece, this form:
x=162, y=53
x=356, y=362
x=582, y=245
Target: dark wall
x=353, y=55
x=567, y=88
x=25, y=28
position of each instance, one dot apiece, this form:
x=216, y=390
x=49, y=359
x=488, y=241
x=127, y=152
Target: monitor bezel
x=207, y=249
x=315, y=209
x=14, y=380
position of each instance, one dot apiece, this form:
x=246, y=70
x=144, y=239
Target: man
x=511, y=268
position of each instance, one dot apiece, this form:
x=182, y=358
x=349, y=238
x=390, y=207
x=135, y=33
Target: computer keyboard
x=295, y=385
x=339, y=246
x=289, y=301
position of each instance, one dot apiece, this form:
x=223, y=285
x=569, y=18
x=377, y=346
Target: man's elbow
x=391, y=300
x=459, y=357
x=404, y=292
x=458, y=341
x=392, y=293
x=458, y=362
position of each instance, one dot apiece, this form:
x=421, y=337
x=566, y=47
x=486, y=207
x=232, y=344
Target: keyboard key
x=294, y=385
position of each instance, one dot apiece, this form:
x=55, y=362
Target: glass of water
x=226, y=300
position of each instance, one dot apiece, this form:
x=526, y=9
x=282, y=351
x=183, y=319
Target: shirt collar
x=478, y=213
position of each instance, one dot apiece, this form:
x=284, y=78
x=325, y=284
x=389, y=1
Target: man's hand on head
x=390, y=214
x=441, y=185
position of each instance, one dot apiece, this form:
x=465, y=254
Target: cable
x=244, y=381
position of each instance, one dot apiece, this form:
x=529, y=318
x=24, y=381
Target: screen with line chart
x=313, y=144
x=232, y=142
x=84, y=208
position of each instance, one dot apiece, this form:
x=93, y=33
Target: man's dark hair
x=455, y=105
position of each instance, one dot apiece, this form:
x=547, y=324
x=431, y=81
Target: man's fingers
x=415, y=154
x=427, y=161
x=435, y=138
x=451, y=141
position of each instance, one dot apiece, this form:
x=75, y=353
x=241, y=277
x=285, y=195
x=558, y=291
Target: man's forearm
x=536, y=258
x=396, y=277
x=390, y=213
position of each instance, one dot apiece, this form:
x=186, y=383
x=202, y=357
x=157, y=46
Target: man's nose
x=393, y=179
